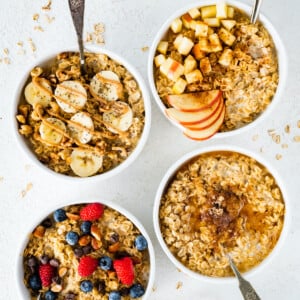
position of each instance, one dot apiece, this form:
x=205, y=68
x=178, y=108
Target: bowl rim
x=281, y=56
x=23, y=291
x=220, y=148
x=21, y=141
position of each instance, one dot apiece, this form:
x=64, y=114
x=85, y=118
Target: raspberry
x=46, y=273
x=125, y=270
x=87, y=266
x=92, y=212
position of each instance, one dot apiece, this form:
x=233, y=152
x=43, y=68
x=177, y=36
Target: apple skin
x=193, y=102
x=201, y=135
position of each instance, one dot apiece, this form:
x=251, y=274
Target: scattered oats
x=287, y=129
x=0, y=60
x=179, y=285
x=97, y=35
x=255, y=137
x=6, y=51
x=49, y=19
x=6, y=60
x=276, y=138
x=296, y=138
x=298, y=123
x=27, y=189
x=89, y=37
x=35, y=17
x=100, y=40
x=178, y=270
x=153, y=288
x=38, y=28
x=1, y=178
x=21, y=51
x=99, y=28
x=271, y=131
x=32, y=45
x=145, y=49
x=47, y=6
x=284, y=146
x=20, y=44
x=278, y=156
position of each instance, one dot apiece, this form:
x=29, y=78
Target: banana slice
x=120, y=117
x=38, y=92
x=71, y=96
x=85, y=163
x=106, y=84
x=82, y=120
x=52, y=130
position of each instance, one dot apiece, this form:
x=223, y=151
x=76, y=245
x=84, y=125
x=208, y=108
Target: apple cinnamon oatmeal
x=86, y=251
x=216, y=47
x=81, y=125
x=221, y=203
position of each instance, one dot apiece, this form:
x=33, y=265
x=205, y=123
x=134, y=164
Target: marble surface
x=130, y=25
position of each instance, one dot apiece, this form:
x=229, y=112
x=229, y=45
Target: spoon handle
x=77, y=13
x=255, y=11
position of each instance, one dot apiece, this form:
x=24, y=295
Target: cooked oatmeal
x=231, y=54
x=81, y=125
x=67, y=238
x=221, y=203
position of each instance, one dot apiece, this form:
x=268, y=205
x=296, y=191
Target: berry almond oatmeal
x=86, y=251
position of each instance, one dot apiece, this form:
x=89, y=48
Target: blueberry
x=86, y=227
x=35, y=282
x=105, y=263
x=72, y=238
x=141, y=243
x=59, y=215
x=136, y=291
x=50, y=295
x=114, y=296
x=86, y=286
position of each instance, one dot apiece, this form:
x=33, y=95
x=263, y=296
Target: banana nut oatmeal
x=216, y=47
x=82, y=125
x=221, y=203
x=86, y=251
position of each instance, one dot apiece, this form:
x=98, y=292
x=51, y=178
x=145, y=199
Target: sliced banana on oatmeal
x=107, y=85
x=85, y=163
x=38, y=92
x=119, y=118
x=81, y=126
x=52, y=130
x=71, y=96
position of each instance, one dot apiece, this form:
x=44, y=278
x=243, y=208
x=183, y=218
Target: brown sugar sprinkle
x=179, y=285
x=47, y=6
x=296, y=138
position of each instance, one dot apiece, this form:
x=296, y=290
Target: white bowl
x=23, y=291
x=25, y=147
x=172, y=171
x=281, y=54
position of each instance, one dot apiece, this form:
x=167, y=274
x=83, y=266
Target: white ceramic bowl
x=25, y=147
x=23, y=291
x=281, y=53
x=169, y=175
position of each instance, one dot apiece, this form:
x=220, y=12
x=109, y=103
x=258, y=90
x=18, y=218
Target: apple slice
x=193, y=102
x=207, y=123
x=200, y=135
x=191, y=118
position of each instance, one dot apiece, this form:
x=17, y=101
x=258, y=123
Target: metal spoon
x=255, y=11
x=77, y=13
x=246, y=288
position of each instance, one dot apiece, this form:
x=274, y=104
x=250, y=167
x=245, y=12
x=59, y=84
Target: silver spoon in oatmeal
x=255, y=11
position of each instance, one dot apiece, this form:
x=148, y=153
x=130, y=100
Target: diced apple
x=204, y=134
x=176, y=25
x=193, y=102
x=212, y=22
x=191, y=118
x=226, y=57
x=215, y=43
x=178, y=40
x=221, y=9
x=197, y=52
x=201, y=29
x=189, y=64
x=194, y=76
x=179, y=86
x=210, y=31
x=186, y=20
x=208, y=11
x=172, y=69
x=230, y=12
x=227, y=37
x=194, y=13
x=228, y=24
x=159, y=60
x=185, y=46
x=204, y=45
x=205, y=65
x=162, y=47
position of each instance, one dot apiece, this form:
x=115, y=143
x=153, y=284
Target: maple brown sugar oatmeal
x=217, y=48
x=85, y=252
x=81, y=125
x=221, y=203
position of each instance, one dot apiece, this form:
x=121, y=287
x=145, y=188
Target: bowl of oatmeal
x=87, y=250
x=74, y=126
x=212, y=73
x=220, y=201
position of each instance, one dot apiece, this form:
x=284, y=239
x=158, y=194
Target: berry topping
x=46, y=274
x=141, y=243
x=114, y=296
x=49, y=295
x=105, y=263
x=35, y=282
x=72, y=238
x=125, y=270
x=86, y=227
x=86, y=286
x=136, y=291
x=92, y=212
x=87, y=266
x=59, y=215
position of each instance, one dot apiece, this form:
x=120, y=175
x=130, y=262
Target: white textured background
x=130, y=26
